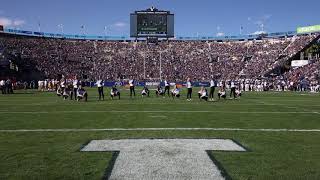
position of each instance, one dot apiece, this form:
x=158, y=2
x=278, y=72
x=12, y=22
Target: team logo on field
x=164, y=158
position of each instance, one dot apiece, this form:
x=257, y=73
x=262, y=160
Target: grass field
x=58, y=129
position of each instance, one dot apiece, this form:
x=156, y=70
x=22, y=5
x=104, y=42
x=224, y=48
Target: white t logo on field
x=146, y=159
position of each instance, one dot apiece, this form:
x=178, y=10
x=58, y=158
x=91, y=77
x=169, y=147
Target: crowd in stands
x=173, y=60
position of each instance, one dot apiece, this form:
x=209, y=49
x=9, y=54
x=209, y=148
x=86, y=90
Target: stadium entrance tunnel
x=164, y=158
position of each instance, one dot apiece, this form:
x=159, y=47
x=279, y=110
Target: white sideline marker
x=159, y=159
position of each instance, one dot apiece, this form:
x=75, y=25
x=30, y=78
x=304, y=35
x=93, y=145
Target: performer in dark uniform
x=82, y=94
x=233, y=89
x=159, y=91
x=212, y=88
x=75, y=84
x=145, y=92
x=189, y=87
x=100, y=85
x=166, y=87
x=131, y=84
x=114, y=92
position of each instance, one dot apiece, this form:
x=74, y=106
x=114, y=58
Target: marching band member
x=66, y=92
x=145, y=91
x=159, y=91
x=166, y=87
x=82, y=94
x=233, y=89
x=62, y=83
x=59, y=91
x=75, y=84
x=100, y=85
x=175, y=92
x=238, y=93
x=222, y=93
x=203, y=94
x=212, y=88
x=131, y=84
x=114, y=92
x=189, y=87
x=199, y=93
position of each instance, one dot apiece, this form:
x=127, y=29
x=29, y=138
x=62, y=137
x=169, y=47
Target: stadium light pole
x=61, y=27
x=105, y=32
x=161, y=63
x=39, y=26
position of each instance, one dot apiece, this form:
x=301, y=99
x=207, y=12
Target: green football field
x=41, y=135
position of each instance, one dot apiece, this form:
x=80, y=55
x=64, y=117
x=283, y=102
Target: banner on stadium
x=308, y=29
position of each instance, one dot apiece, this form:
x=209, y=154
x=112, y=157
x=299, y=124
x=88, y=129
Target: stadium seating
x=179, y=59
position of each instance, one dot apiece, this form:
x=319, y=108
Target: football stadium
x=140, y=101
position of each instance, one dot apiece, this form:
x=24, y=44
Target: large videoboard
x=152, y=23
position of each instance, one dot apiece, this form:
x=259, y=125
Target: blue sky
x=203, y=17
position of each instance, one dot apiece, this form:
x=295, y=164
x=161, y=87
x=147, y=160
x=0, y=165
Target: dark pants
x=167, y=89
x=211, y=95
x=205, y=98
x=85, y=96
x=233, y=91
x=173, y=95
x=101, y=94
x=117, y=94
x=132, y=91
x=219, y=95
x=161, y=94
x=147, y=93
x=3, y=89
x=9, y=89
x=189, y=93
x=74, y=92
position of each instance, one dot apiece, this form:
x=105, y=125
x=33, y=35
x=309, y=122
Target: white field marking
x=160, y=129
x=159, y=116
x=297, y=108
x=184, y=111
x=159, y=159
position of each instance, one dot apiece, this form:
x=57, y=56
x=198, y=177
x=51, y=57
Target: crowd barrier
x=146, y=83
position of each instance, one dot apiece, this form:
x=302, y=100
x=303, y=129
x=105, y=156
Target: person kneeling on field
x=222, y=93
x=145, y=91
x=159, y=91
x=238, y=93
x=66, y=93
x=59, y=92
x=82, y=94
x=203, y=94
x=175, y=92
x=114, y=92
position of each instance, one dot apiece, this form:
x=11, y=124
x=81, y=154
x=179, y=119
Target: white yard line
x=161, y=111
x=160, y=129
x=297, y=108
x=158, y=116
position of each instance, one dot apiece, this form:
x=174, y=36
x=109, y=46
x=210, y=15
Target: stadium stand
x=179, y=59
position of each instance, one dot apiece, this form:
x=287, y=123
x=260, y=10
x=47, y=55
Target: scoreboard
x=152, y=23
